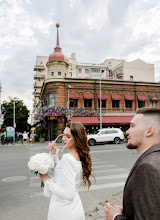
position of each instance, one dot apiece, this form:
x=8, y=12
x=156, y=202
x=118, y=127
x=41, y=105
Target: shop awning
x=129, y=97
x=116, y=97
x=88, y=95
x=74, y=95
x=142, y=98
x=106, y=120
x=104, y=96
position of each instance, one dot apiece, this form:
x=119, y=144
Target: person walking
x=32, y=135
x=141, y=194
x=25, y=138
x=73, y=168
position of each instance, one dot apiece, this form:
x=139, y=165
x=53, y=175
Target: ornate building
x=67, y=90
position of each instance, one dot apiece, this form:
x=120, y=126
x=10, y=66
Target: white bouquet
x=41, y=163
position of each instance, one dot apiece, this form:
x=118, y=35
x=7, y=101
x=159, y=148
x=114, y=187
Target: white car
x=106, y=134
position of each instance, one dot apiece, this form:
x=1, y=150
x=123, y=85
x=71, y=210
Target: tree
x=21, y=114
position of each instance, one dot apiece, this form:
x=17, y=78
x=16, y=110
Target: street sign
x=9, y=132
x=1, y=116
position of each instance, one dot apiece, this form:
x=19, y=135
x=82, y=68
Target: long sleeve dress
x=62, y=189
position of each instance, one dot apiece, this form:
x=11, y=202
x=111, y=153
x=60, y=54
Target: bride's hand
x=52, y=147
x=44, y=177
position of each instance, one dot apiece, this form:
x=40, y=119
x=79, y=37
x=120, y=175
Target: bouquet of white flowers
x=41, y=163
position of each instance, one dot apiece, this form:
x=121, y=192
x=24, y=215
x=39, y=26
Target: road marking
x=103, y=186
x=116, y=176
x=107, y=151
x=109, y=170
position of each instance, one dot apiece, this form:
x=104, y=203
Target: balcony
x=119, y=75
x=36, y=94
x=39, y=67
x=39, y=76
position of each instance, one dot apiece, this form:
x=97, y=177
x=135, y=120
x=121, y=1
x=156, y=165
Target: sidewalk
x=98, y=214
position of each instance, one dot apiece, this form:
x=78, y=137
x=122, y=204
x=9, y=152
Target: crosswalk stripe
x=103, y=186
x=116, y=176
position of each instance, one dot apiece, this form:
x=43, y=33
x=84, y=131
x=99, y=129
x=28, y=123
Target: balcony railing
x=39, y=68
x=39, y=76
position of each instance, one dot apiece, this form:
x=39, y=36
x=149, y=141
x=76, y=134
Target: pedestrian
x=141, y=194
x=32, y=135
x=25, y=138
x=69, y=172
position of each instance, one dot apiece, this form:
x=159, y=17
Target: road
x=20, y=192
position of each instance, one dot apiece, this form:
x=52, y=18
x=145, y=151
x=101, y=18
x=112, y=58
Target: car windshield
x=97, y=132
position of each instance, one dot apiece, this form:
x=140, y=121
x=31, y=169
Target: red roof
x=74, y=95
x=106, y=120
x=88, y=95
x=116, y=97
x=142, y=98
x=104, y=96
x=129, y=97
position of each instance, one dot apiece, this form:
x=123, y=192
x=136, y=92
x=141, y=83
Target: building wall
x=140, y=70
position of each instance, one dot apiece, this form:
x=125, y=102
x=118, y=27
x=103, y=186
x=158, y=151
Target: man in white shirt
x=142, y=189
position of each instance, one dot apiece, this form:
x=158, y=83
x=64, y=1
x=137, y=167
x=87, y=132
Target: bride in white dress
x=69, y=173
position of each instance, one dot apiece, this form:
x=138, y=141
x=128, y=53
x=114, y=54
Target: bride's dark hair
x=79, y=133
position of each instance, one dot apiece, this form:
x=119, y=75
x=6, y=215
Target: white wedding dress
x=65, y=203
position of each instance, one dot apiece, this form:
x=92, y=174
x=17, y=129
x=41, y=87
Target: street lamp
x=100, y=103
x=69, y=87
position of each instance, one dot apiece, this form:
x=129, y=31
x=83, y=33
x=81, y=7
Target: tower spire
x=57, y=25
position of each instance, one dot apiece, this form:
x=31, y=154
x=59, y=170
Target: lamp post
x=100, y=105
x=69, y=87
x=0, y=105
x=14, y=124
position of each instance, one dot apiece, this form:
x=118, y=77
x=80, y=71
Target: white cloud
x=126, y=29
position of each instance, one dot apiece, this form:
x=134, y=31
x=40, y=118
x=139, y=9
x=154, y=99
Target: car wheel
x=117, y=140
x=91, y=142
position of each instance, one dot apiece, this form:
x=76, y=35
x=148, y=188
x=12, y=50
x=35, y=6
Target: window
x=73, y=103
x=80, y=70
x=53, y=100
x=95, y=70
x=115, y=103
x=88, y=103
x=141, y=104
x=111, y=131
x=70, y=74
x=103, y=103
x=128, y=103
x=70, y=65
x=110, y=73
x=59, y=73
x=87, y=71
x=52, y=73
x=153, y=103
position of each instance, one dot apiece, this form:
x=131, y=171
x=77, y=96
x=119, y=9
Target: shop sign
x=52, y=118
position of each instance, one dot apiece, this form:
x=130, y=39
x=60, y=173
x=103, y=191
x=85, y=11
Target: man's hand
x=111, y=210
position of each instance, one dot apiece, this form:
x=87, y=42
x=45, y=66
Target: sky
x=95, y=30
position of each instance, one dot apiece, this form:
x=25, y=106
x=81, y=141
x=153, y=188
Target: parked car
x=104, y=135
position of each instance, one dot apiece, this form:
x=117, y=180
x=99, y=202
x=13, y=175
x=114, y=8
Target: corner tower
x=57, y=63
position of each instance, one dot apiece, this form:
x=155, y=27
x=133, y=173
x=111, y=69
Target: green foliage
x=21, y=114
x=40, y=131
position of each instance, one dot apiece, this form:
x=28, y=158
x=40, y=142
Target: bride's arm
x=53, y=151
x=67, y=188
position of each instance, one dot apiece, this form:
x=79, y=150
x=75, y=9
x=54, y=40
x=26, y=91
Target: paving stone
x=95, y=215
x=102, y=218
x=100, y=207
x=89, y=218
x=101, y=213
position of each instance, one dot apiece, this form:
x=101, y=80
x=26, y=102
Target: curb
x=98, y=213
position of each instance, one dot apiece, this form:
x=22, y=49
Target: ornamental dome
x=57, y=55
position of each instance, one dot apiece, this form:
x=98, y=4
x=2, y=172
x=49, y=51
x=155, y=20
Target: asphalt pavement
x=93, y=200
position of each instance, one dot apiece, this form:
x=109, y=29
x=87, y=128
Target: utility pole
x=100, y=104
x=14, y=124
x=0, y=105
